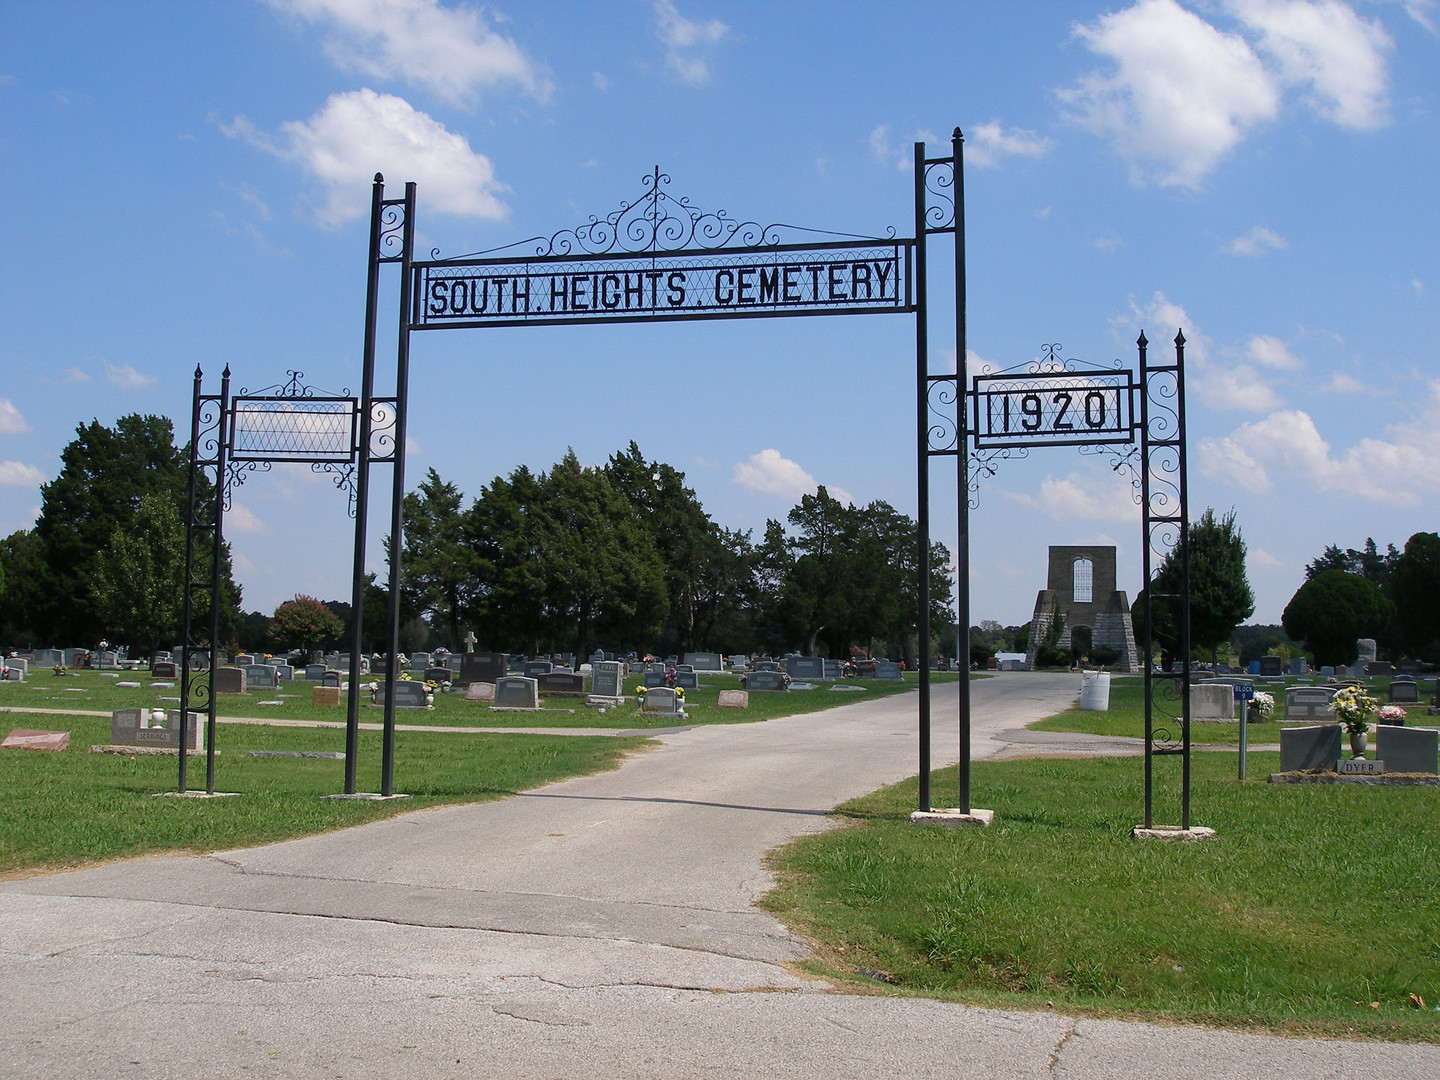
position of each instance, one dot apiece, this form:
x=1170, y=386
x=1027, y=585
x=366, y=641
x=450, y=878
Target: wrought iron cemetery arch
x=662, y=259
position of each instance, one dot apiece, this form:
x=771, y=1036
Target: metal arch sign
x=859, y=277
x=1053, y=408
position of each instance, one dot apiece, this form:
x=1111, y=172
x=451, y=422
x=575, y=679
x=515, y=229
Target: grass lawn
x=1127, y=717
x=66, y=809
x=1314, y=911
x=91, y=691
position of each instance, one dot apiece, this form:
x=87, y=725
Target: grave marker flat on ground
x=21, y=739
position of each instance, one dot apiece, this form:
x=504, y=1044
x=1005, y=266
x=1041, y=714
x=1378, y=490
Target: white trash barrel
x=1095, y=691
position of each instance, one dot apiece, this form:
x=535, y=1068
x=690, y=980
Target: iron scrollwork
x=984, y=464
x=390, y=245
x=943, y=434
x=940, y=195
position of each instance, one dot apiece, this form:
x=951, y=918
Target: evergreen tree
x=1416, y=582
x=1220, y=594
x=138, y=582
x=438, y=568
x=1331, y=611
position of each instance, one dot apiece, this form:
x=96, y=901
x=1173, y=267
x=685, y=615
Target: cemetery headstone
x=1308, y=702
x=1271, y=667
x=419, y=660
x=734, y=699
x=126, y=730
x=315, y=672
x=241, y=659
x=1408, y=750
x=654, y=678
x=48, y=658
x=454, y=662
x=606, y=679
x=1405, y=692
x=805, y=667
x=765, y=680
x=335, y=678
x=1212, y=701
x=705, y=661
x=230, y=680
x=1304, y=748
x=437, y=675
x=1342, y=671
x=560, y=682
x=1365, y=649
x=23, y=739
x=284, y=672
x=74, y=658
x=326, y=695
x=164, y=669
x=1327, y=671
x=517, y=692
x=888, y=669
x=483, y=667
x=107, y=660
x=1297, y=666
x=18, y=663
x=1379, y=669
x=480, y=691
x=408, y=695
x=767, y=665
x=687, y=680
x=662, y=702
x=832, y=669
x=537, y=667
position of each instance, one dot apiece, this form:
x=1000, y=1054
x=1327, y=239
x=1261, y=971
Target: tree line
x=623, y=556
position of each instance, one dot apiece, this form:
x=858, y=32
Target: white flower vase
x=1358, y=740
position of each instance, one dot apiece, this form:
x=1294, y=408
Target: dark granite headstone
x=832, y=669
x=805, y=667
x=1408, y=750
x=230, y=680
x=517, y=692
x=437, y=675
x=408, y=694
x=705, y=661
x=483, y=667
x=1271, y=667
x=334, y=678
x=687, y=680
x=767, y=665
x=654, y=678
x=1405, y=692
x=765, y=680
x=314, y=672
x=164, y=669
x=888, y=669
x=560, y=682
x=1379, y=669
x=1309, y=747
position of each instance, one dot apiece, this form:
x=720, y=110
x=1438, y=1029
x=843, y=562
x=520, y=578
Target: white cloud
x=681, y=35
x=360, y=133
x=1262, y=558
x=1271, y=352
x=240, y=519
x=1324, y=46
x=988, y=144
x=1256, y=242
x=11, y=422
x=1340, y=383
x=771, y=474
x=599, y=81
x=1418, y=286
x=1398, y=470
x=1156, y=319
x=18, y=474
x=1420, y=11
x=1109, y=242
x=74, y=374
x=449, y=51
x=1239, y=387
x=126, y=377
x=1181, y=96
x=1080, y=497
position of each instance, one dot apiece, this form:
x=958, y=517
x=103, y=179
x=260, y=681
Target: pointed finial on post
x=955, y=135
x=197, y=372
x=1179, y=337
x=1141, y=340
x=226, y=373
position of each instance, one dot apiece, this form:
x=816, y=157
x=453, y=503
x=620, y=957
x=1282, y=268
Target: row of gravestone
x=1213, y=699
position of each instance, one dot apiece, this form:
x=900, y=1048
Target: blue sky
x=187, y=184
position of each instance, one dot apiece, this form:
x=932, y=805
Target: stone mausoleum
x=1081, y=589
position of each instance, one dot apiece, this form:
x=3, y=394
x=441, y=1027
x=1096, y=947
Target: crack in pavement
x=1070, y=1033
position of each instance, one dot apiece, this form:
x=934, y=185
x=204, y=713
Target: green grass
x=66, y=809
x=91, y=691
x=1312, y=902
x=1127, y=717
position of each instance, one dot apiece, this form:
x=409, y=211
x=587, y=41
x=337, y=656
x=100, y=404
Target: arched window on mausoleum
x=1084, y=581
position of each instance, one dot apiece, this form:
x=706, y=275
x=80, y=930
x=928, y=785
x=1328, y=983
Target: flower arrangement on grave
x=1263, y=705
x=1353, y=708
x=680, y=696
x=1391, y=714
x=59, y=670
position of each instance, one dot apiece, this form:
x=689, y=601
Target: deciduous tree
x=1331, y=611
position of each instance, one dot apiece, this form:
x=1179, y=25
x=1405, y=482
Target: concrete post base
x=953, y=818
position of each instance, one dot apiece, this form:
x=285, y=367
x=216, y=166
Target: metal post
x=221, y=442
x=922, y=470
x=397, y=507
x=362, y=488
x=1145, y=560
x=185, y=629
x=1184, y=575
x=1244, y=716
x=962, y=472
